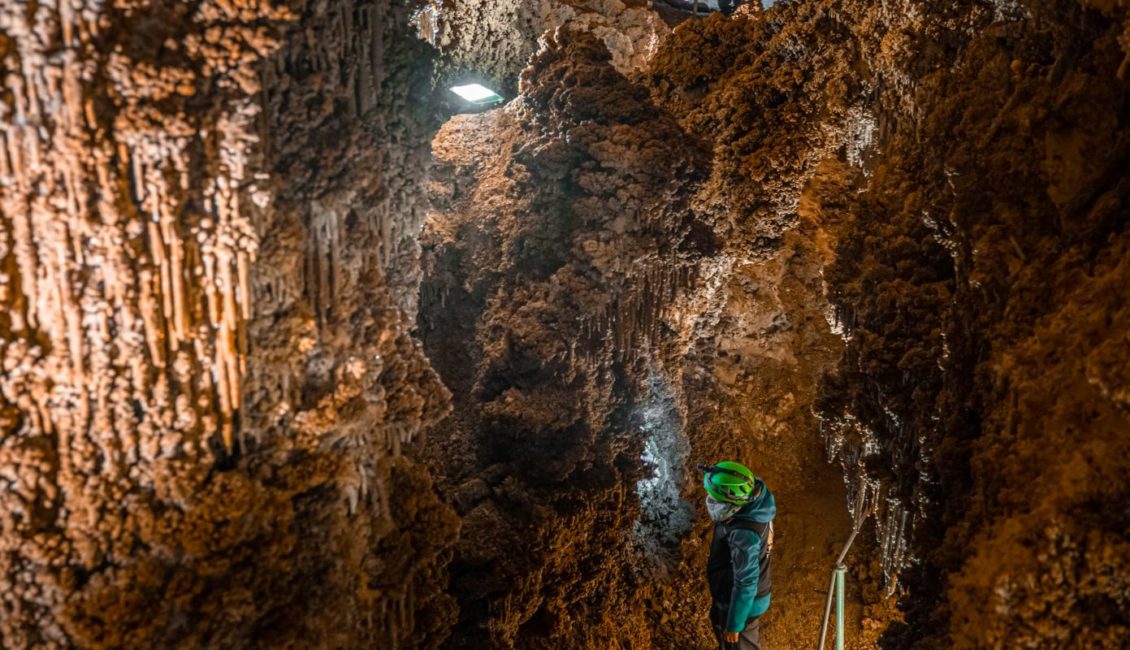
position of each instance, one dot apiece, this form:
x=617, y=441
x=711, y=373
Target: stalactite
x=137, y=314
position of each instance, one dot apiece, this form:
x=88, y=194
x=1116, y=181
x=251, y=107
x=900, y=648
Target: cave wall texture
x=982, y=280
x=978, y=277
x=557, y=265
x=486, y=40
x=208, y=272
x=921, y=174
x=903, y=223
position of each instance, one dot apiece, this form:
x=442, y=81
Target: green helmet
x=729, y=482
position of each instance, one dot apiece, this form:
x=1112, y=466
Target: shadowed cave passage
x=833, y=185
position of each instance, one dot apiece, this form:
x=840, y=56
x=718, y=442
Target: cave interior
x=409, y=324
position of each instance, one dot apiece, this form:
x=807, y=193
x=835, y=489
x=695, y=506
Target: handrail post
x=840, y=571
x=836, y=584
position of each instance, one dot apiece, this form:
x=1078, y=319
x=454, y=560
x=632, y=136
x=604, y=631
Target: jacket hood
x=762, y=509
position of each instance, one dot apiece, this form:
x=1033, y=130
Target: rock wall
x=960, y=228
x=207, y=274
x=732, y=371
x=773, y=100
x=493, y=41
x=772, y=97
x=982, y=281
x=558, y=262
x=209, y=282
x=974, y=231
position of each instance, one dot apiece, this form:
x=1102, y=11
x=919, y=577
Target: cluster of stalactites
x=160, y=284
x=630, y=321
x=849, y=441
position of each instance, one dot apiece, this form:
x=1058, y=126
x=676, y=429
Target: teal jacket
x=748, y=595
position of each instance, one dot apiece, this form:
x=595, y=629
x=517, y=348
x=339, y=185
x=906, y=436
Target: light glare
x=476, y=93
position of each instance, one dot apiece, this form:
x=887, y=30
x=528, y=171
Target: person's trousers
x=748, y=639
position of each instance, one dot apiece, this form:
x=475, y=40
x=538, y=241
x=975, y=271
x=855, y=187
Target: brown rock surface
x=902, y=224
x=493, y=41
x=557, y=260
x=207, y=270
x=980, y=281
x=892, y=104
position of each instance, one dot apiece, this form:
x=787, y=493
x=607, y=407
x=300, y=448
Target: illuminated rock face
x=862, y=170
x=560, y=262
x=989, y=433
x=207, y=270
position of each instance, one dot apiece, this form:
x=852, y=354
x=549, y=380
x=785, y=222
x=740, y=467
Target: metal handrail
x=836, y=585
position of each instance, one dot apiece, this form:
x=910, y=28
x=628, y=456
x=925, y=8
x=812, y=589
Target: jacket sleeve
x=745, y=547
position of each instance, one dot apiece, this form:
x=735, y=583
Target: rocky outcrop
x=492, y=40
x=207, y=275
x=558, y=261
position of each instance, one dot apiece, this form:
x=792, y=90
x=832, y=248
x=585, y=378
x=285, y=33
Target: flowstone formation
x=558, y=262
x=208, y=269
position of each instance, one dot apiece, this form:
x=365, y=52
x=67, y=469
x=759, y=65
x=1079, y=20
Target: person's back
x=739, y=569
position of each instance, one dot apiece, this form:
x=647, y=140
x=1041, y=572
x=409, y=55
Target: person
x=738, y=570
